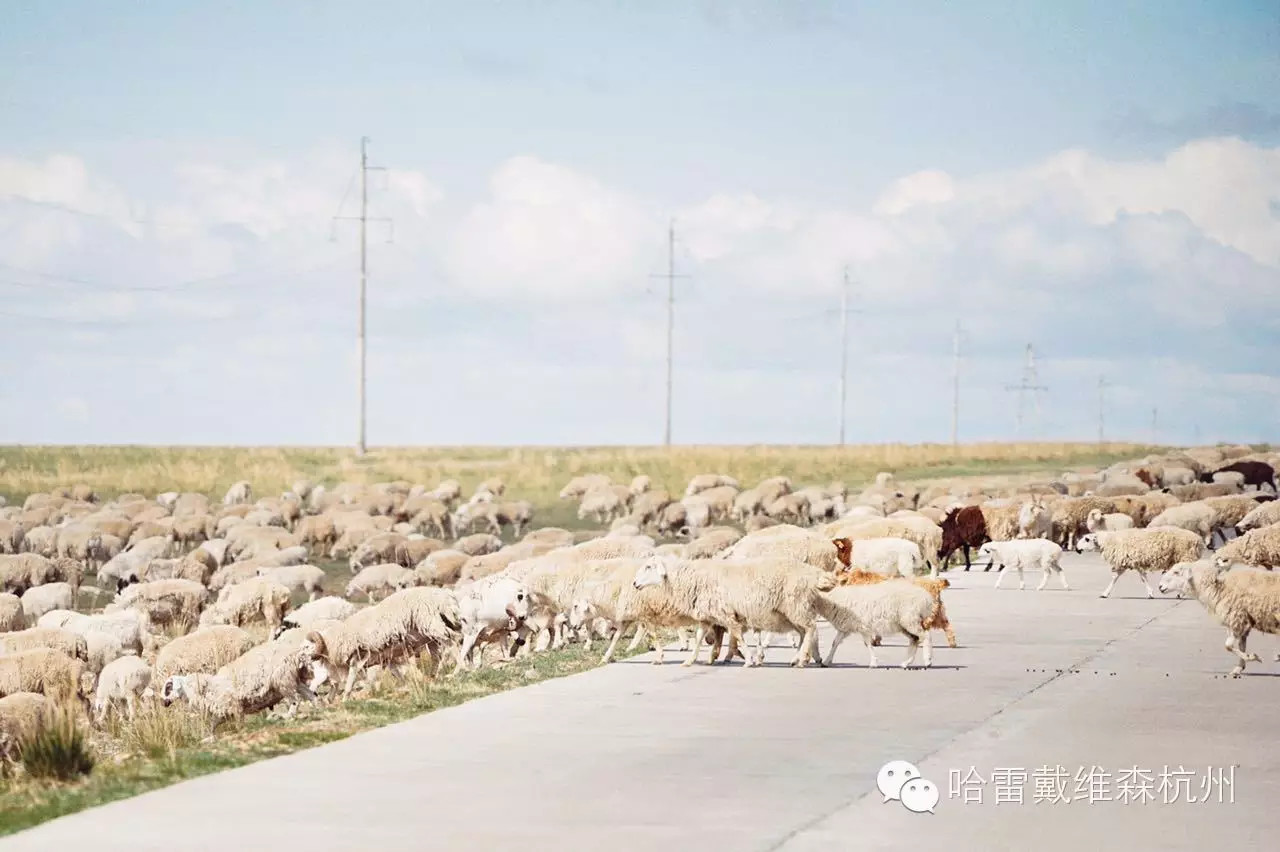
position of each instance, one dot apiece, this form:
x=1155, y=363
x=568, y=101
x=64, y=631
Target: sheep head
x=844, y=549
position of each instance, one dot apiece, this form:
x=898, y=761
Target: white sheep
x=1260, y=547
x=11, y=617
x=881, y=609
x=886, y=556
x=786, y=540
x=101, y=649
x=1264, y=515
x=1241, y=601
x=307, y=579
x=267, y=675
x=490, y=612
x=1099, y=521
x=381, y=579
x=322, y=609
x=47, y=671
x=245, y=603
x=1025, y=554
x=240, y=492
x=202, y=651
x=122, y=681
x=131, y=627
x=38, y=600
x=1154, y=549
x=1197, y=516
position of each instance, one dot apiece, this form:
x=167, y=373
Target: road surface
x=641, y=757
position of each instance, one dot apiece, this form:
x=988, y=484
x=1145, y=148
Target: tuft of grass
x=157, y=731
x=56, y=748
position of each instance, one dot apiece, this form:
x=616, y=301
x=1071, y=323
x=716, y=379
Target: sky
x=1100, y=180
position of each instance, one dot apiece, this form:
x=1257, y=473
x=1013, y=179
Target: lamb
x=202, y=651
x=1097, y=521
x=102, y=648
x=1022, y=554
x=925, y=533
x=1154, y=549
x=1198, y=517
x=38, y=600
x=387, y=633
x=880, y=609
x=1240, y=601
x=323, y=609
x=893, y=556
x=306, y=579
x=122, y=681
x=48, y=671
x=258, y=680
x=381, y=579
x=489, y=613
x=767, y=594
x=246, y=602
x=934, y=586
x=11, y=615
x=784, y=540
x=1259, y=547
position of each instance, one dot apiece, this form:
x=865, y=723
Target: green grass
x=27, y=802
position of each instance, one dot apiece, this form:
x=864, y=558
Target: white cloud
x=527, y=312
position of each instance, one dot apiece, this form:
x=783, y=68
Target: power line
x=364, y=220
x=671, y=277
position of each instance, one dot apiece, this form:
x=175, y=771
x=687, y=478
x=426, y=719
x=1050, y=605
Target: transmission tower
x=1030, y=383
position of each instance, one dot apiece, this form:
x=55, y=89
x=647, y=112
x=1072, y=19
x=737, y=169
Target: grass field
x=535, y=474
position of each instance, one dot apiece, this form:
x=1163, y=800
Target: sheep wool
x=879, y=609
x=1154, y=549
x=203, y=651
x=1260, y=547
x=1240, y=601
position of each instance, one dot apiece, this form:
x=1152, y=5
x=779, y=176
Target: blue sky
x=1100, y=179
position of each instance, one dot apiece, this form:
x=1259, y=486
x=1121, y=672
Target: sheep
x=580, y=485
x=38, y=600
x=793, y=507
x=240, y=492
x=1069, y=516
x=387, y=633
x=42, y=540
x=297, y=578
x=1240, y=601
x=765, y=594
x=893, y=556
x=712, y=542
x=1035, y=519
x=879, y=609
x=68, y=642
x=379, y=579
x=640, y=484
x=933, y=585
x=1097, y=521
x=20, y=714
x=415, y=549
x=48, y=671
x=204, y=650
x=246, y=602
x=489, y=613
x=474, y=545
x=164, y=601
x=1154, y=549
x=1229, y=510
x=707, y=481
x=1260, y=547
x=1197, y=517
x=101, y=648
x=1021, y=554
x=442, y=568
x=11, y=536
x=258, y=680
x=925, y=533
x=324, y=609
x=963, y=527
x=11, y=614
x=130, y=626
x=1264, y=515
x=1255, y=473
x=794, y=542
x=121, y=681
x=603, y=504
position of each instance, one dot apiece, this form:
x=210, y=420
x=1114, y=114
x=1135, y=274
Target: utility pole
x=364, y=220
x=671, y=277
x=1029, y=383
x=955, y=388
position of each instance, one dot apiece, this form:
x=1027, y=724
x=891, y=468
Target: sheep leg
x=699, y=635
x=1231, y=645
x=926, y=643
x=835, y=643
x=636, y=639
x=871, y=651
x=617, y=634
x=1115, y=575
x=469, y=639
x=351, y=681
x=1000, y=576
x=1022, y=583
x=967, y=563
x=1044, y=579
x=913, y=647
x=1062, y=575
x=1150, y=591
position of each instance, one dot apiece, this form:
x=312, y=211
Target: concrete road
x=638, y=757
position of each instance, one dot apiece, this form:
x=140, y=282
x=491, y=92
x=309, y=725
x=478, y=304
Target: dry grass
x=531, y=473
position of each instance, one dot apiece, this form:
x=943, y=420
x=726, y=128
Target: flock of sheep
x=201, y=595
